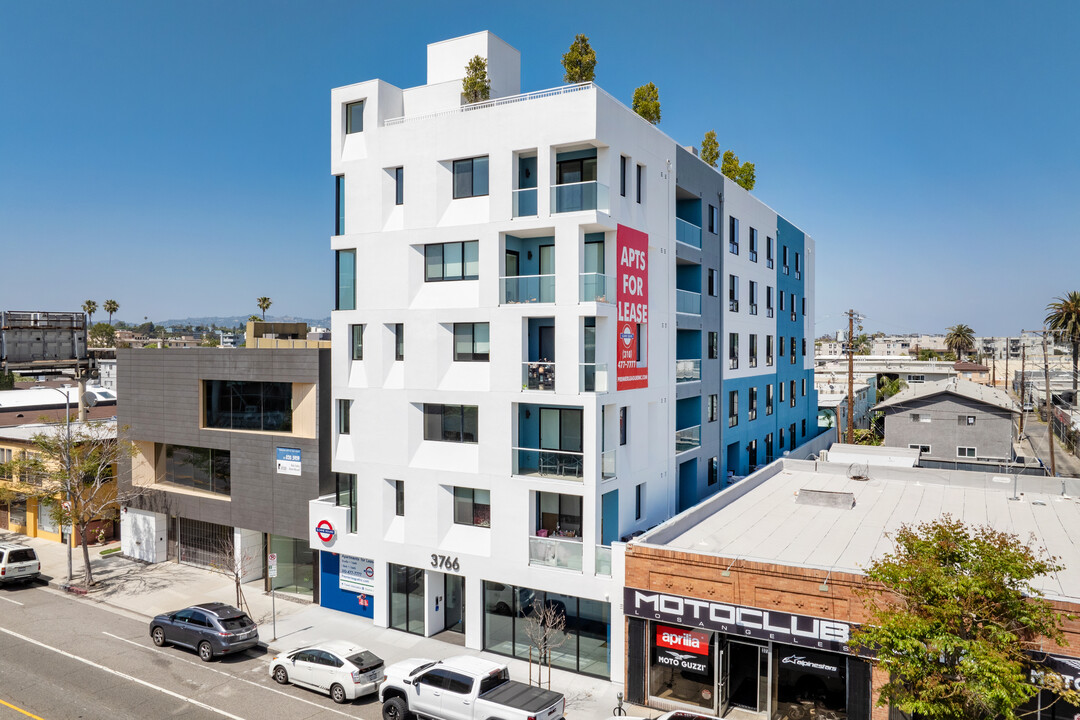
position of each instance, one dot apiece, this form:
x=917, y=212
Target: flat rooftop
x=759, y=519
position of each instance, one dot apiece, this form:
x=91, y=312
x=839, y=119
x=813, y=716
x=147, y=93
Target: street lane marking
x=205, y=666
x=125, y=676
x=20, y=710
x=10, y=600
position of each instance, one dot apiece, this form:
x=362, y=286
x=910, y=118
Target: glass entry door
x=746, y=676
x=454, y=593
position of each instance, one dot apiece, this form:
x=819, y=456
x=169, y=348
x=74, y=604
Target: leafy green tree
x=647, y=103
x=264, y=304
x=89, y=307
x=579, y=62
x=7, y=380
x=960, y=339
x=102, y=335
x=743, y=174
x=1064, y=323
x=952, y=614
x=210, y=339
x=476, y=86
x=710, y=148
x=111, y=307
x=254, y=318
x=889, y=386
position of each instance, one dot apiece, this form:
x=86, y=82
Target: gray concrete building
x=231, y=446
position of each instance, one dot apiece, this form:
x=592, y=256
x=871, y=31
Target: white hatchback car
x=342, y=669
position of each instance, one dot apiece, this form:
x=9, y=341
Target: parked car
x=211, y=629
x=18, y=563
x=463, y=688
x=1029, y=406
x=342, y=669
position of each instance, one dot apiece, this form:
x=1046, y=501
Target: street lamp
x=67, y=463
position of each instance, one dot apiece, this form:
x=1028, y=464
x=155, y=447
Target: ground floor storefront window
x=295, y=565
x=407, y=599
x=586, y=649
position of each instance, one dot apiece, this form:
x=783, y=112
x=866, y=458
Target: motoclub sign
x=773, y=625
x=632, y=297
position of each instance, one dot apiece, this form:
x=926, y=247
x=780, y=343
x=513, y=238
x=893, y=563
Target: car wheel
x=206, y=652
x=394, y=709
x=337, y=694
x=280, y=676
x=158, y=635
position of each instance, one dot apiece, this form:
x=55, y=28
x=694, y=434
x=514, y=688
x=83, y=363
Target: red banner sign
x=633, y=308
x=674, y=638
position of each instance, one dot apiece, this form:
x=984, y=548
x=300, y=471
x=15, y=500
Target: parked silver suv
x=210, y=628
x=18, y=563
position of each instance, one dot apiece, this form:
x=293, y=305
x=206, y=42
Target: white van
x=18, y=563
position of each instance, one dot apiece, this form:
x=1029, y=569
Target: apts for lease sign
x=633, y=308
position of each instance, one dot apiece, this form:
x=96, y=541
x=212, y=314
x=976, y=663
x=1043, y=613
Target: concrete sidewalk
x=142, y=591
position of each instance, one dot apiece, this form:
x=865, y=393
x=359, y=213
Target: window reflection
x=244, y=405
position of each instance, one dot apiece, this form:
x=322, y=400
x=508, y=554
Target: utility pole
x=993, y=366
x=1049, y=408
x=851, y=377
x=1007, y=350
x=1023, y=379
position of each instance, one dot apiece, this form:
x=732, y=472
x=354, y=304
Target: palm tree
x=90, y=307
x=111, y=307
x=1064, y=324
x=960, y=339
x=264, y=304
x=889, y=386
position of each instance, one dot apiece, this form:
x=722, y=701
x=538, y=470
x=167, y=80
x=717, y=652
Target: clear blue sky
x=174, y=156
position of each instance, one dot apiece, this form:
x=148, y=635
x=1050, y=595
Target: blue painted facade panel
x=333, y=597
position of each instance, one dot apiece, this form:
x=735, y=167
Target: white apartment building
x=527, y=366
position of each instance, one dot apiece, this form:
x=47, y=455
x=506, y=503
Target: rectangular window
x=714, y=281
x=804, y=306
x=639, y=500
x=345, y=496
x=803, y=430
x=198, y=468
x=753, y=297
x=965, y=419
x=714, y=219
x=714, y=343
x=733, y=408
x=714, y=402
x=768, y=252
x=781, y=352
x=344, y=409
x=798, y=267
x=399, y=186
x=471, y=342
x=714, y=470
x=921, y=448
x=753, y=245
x=916, y=417
x=345, y=295
x=339, y=203
x=965, y=452
x=803, y=393
x=472, y=507
x=399, y=498
x=753, y=350
x=781, y=301
x=752, y=415
x=450, y=423
x=733, y=351
x=452, y=261
x=785, y=264
x=733, y=235
x=804, y=347
x=733, y=293
x=768, y=350
x=782, y=386
x=768, y=301
x=354, y=117
x=794, y=315
x=622, y=175
x=781, y=438
x=769, y=399
x=794, y=350
x=399, y=341
x=247, y=405
x=357, y=333
x=792, y=393
x=639, y=182
x=470, y=177
x=624, y=424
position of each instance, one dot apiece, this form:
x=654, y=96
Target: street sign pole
x=271, y=566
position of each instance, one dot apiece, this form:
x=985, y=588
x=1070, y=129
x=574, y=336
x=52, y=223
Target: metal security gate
x=204, y=544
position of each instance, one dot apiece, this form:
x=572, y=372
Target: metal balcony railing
x=574, y=197
x=561, y=464
x=564, y=553
x=596, y=287
x=687, y=439
x=687, y=371
x=687, y=233
x=525, y=202
x=527, y=289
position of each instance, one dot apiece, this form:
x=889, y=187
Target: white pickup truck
x=463, y=688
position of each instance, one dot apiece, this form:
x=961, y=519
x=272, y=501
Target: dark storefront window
x=407, y=599
x=809, y=684
x=248, y=405
x=198, y=468
x=588, y=627
x=681, y=665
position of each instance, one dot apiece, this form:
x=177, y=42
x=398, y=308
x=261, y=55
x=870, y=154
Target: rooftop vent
x=826, y=498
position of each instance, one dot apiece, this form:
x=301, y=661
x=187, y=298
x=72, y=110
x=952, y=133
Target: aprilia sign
x=738, y=620
x=682, y=639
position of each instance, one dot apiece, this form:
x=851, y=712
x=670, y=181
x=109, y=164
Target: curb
x=65, y=587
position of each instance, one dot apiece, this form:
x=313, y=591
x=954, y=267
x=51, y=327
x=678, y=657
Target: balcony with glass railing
x=596, y=287
x=607, y=464
x=687, y=371
x=593, y=377
x=603, y=560
x=687, y=301
x=525, y=202
x=574, y=197
x=687, y=233
x=556, y=552
x=538, y=376
x=559, y=464
x=687, y=439
x=526, y=289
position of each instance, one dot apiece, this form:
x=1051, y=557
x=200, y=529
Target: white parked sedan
x=340, y=668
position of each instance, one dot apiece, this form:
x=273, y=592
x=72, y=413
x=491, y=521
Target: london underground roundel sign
x=325, y=530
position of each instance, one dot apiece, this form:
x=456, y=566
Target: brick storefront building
x=747, y=600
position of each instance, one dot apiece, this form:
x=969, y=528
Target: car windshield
x=365, y=660
x=236, y=623
x=423, y=667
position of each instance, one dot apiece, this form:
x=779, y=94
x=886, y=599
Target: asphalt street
x=62, y=658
